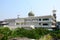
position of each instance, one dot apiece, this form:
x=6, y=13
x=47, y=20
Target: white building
x=48, y=21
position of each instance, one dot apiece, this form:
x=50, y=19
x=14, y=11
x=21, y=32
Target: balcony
x=29, y=26
x=53, y=26
x=16, y=26
x=53, y=21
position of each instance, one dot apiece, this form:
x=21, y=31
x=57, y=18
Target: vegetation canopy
x=6, y=33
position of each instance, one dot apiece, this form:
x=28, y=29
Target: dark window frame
x=45, y=19
x=39, y=23
x=39, y=19
x=45, y=24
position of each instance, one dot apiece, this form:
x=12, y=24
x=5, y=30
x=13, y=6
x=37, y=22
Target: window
x=35, y=19
x=39, y=19
x=22, y=23
x=17, y=23
x=27, y=19
x=45, y=19
x=39, y=23
x=45, y=24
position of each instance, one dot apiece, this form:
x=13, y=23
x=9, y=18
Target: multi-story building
x=48, y=21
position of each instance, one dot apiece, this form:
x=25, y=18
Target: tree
x=6, y=32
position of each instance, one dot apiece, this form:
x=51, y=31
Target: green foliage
x=6, y=32
x=55, y=34
x=1, y=36
x=37, y=33
x=42, y=31
x=33, y=33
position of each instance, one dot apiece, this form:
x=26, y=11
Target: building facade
x=48, y=21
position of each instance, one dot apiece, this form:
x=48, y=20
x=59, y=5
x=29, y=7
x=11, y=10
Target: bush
x=21, y=32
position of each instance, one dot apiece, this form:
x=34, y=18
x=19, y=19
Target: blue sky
x=12, y=8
